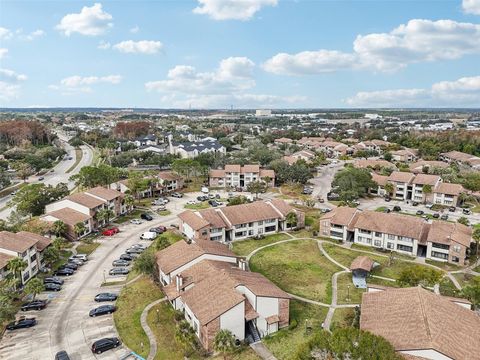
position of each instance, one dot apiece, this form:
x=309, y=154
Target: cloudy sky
x=240, y=53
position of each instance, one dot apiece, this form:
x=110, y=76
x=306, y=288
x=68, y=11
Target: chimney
x=179, y=280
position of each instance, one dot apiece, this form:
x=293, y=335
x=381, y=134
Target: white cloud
x=471, y=6
x=5, y=33
x=10, y=84
x=135, y=29
x=91, y=21
x=104, y=45
x=11, y=76
x=310, y=62
x=417, y=41
x=141, y=47
x=82, y=84
x=233, y=74
x=33, y=35
x=231, y=9
x=462, y=92
x=3, y=52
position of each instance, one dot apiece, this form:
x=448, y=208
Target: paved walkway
x=262, y=351
x=148, y=331
x=322, y=250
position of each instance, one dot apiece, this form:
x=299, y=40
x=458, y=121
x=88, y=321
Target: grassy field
x=297, y=267
x=443, y=265
x=245, y=247
x=78, y=158
x=448, y=289
x=87, y=248
x=284, y=343
x=135, y=214
x=347, y=293
x=464, y=279
x=380, y=252
x=342, y=317
x=130, y=304
x=164, y=212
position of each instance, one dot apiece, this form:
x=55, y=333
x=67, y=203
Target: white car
x=192, y=202
x=136, y=221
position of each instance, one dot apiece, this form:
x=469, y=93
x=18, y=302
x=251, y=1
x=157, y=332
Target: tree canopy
x=352, y=183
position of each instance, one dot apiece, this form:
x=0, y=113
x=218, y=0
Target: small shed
x=361, y=267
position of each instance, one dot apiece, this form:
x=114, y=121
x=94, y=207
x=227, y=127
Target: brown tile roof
x=85, y=200
x=415, y=319
x=426, y=179
x=69, y=216
x=16, y=242
x=399, y=176
x=418, y=166
x=4, y=259
x=103, y=193
x=250, y=169
x=250, y=312
x=272, y=319
x=284, y=140
x=458, y=156
x=233, y=168
x=216, y=173
x=341, y=215
x=246, y=213
x=362, y=263
x=267, y=172
x=214, y=218
x=449, y=189
x=42, y=241
x=363, y=163
x=281, y=206
x=168, y=175
x=181, y=253
x=444, y=232
x=395, y=224
x=380, y=180
x=193, y=220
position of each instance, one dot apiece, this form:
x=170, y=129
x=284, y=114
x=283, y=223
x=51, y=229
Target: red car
x=110, y=232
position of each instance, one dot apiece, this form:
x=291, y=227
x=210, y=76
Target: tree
x=291, y=219
x=353, y=183
x=105, y=215
x=32, y=199
x=145, y=263
x=23, y=171
x=476, y=237
x=184, y=335
x=59, y=228
x=59, y=243
x=224, y=342
x=237, y=200
x=16, y=265
x=256, y=187
x=51, y=255
x=389, y=188
x=129, y=201
x=161, y=243
x=427, y=190
x=472, y=292
x=463, y=220
x=137, y=183
x=34, y=287
x=79, y=229
x=387, y=156
x=419, y=275
x=91, y=176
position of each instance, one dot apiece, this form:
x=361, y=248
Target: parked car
x=452, y=208
x=149, y=235
x=202, y=198
x=325, y=210
x=102, y=310
x=177, y=195
x=83, y=257
x=192, y=202
x=467, y=211
x=127, y=257
x=213, y=203
x=444, y=217
x=106, y=297
x=63, y=272
x=119, y=271
x=76, y=262
x=136, y=221
x=70, y=265
x=204, y=190
x=159, y=229
x=52, y=286
x=211, y=196
x=332, y=196
x=105, y=344
x=397, y=208
x=387, y=210
x=420, y=212
x=110, y=231
x=53, y=280
x=388, y=198
x=436, y=215
x=62, y=355
x=22, y=323
x=146, y=216
x=161, y=208
x=41, y=178
x=120, y=263
x=138, y=246
x=34, y=305
x=414, y=203
x=429, y=206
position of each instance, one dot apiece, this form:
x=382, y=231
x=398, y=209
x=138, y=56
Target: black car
x=69, y=265
x=213, y=203
x=332, y=196
x=105, y=344
x=158, y=229
x=146, y=216
x=102, y=310
x=444, y=217
x=52, y=287
x=120, y=262
x=452, y=208
x=436, y=215
x=22, y=323
x=34, y=305
x=397, y=208
x=119, y=271
x=388, y=198
x=202, y=198
x=134, y=251
x=386, y=210
x=414, y=203
x=53, y=280
x=105, y=297
x=62, y=355
x=63, y=272
x=420, y=212
x=127, y=257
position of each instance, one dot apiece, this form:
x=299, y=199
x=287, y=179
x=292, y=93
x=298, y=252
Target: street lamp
x=348, y=292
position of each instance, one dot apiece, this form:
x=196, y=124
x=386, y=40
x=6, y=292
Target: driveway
x=65, y=324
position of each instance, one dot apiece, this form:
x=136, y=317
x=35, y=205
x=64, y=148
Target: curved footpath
x=148, y=331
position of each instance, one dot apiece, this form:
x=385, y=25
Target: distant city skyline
x=241, y=54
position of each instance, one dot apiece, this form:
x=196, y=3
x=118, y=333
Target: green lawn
x=87, y=248
x=376, y=281
x=464, y=279
x=443, y=265
x=284, y=343
x=200, y=206
x=342, y=317
x=347, y=293
x=78, y=157
x=164, y=212
x=135, y=214
x=130, y=304
x=302, y=233
x=448, y=289
x=297, y=267
x=245, y=247
x=380, y=252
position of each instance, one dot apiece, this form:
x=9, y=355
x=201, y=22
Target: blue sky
x=245, y=54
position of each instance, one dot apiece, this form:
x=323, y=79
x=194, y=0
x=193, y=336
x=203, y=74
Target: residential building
x=447, y=194
x=373, y=164
x=423, y=186
x=237, y=176
x=404, y=155
x=419, y=166
x=402, y=184
x=158, y=149
x=421, y=324
x=190, y=150
x=25, y=245
x=147, y=140
x=170, y=181
x=215, y=291
x=461, y=158
x=305, y=155
x=410, y=235
x=239, y=221
x=283, y=141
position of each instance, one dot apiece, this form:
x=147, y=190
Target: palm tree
x=59, y=228
x=129, y=201
x=51, y=255
x=224, y=342
x=59, y=243
x=34, y=287
x=79, y=228
x=105, y=215
x=389, y=188
x=291, y=219
x=476, y=237
x=426, y=189
x=16, y=265
x=184, y=335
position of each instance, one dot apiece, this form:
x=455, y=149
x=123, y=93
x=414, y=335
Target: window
x=439, y=255
x=378, y=234
x=363, y=231
x=33, y=257
x=335, y=234
x=455, y=259
x=391, y=237
x=377, y=243
x=390, y=245
x=240, y=233
x=440, y=246
x=250, y=224
x=250, y=232
x=457, y=248
x=204, y=232
x=404, y=248
x=270, y=228
x=404, y=238
x=260, y=223
x=26, y=276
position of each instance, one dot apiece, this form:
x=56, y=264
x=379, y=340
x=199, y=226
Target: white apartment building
x=237, y=176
